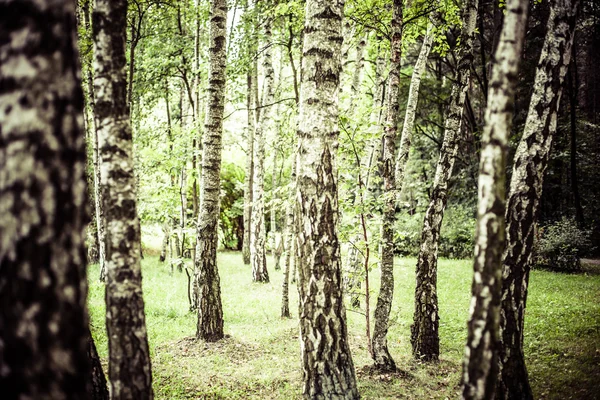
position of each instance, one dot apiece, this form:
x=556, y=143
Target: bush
x=560, y=244
x=456, y=237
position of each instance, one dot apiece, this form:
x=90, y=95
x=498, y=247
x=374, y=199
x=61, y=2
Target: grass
x=260, y=357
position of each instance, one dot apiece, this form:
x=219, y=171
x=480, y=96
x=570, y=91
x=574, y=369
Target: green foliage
x=456, y=237
x=232, y=205
x=560, y=245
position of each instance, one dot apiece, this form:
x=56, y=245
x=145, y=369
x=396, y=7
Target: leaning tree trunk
x=96, y=384
x=43, y=286
x=381, y=355
x=411, y=109
x=328, y=370
x=129, y=356
x=258, y=234
x=424, y=331
x=206, y=281
x=249, y=168
x=480, y=364
x=526, y=184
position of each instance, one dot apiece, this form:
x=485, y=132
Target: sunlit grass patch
x=260, y=357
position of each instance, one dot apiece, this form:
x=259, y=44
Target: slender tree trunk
x=249, y=169
x=424, y=331
x=573, y=91
x=381, y=355
x=328, y=370
x=358, y=68
x=411, y=108
x=96, y=385
x=287, y=255
x=43, y=285
x=258, y=235
x=480, y=365
x=129, y=355
x=207, y=282
x=275, y=240
x=166, y=228
x=526, y=184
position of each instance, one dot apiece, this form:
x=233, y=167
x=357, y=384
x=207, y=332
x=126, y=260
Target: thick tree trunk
x=411, y=108
x=526, y=184
x=258, y=234
x=424, y=331
x=43, y=286
x=381, y=355
x=206, y=274
x=480, y=365
x=249, y=168
x=328, y=370
x=129, y=356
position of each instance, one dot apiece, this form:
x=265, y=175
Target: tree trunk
x=166, y=228
x=287, y=256
x=381, y=355
x=129, y=356
x=206, y=281
x=43, y=286
x=480, y=364
x=526, y=184
x=573, y=94
x=258, y=235
x=96, y=385
x=249, y=166
x=91, y=122
x=328, y=370
x=424, y=331
x=411, y=108
x=275, y=240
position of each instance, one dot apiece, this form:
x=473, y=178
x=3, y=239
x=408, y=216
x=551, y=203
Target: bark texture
x=526, y=183
x=381, y=355
x=129, y=356
x=258, y=234
x=424, y=331
x=411, y=108
x=328, y=370
x=207, y=282
x=480, y=364
x=96, y=388
x=43, y=195
x=249, y=168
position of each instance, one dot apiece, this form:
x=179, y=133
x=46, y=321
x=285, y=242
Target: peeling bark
x=328, y=370
x=480, y=364
x=411, y=109
x=129, y=356
x=381, y=355
x=43, y=195
x=526, y=184
x=258, y=234
x=206, y=274
x=424, y=331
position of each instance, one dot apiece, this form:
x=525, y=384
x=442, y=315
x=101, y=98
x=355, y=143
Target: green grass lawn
x=260, y=357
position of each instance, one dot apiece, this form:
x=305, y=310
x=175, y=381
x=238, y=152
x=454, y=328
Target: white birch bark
x=206, y=274
x=480, y=364
x=424, y=331
x=328, y=370
x=129, y=356
x=526, y=185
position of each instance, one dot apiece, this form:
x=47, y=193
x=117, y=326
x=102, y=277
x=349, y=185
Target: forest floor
x=260, y=357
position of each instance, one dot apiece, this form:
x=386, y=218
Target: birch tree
x=526, y=183
x=258, y=235
x=411, y=108
x=480, y=365
x=424, y=331
x=381, y=355
x=129, y=356
x=43, y=286
x=328, y=370
x=207, y=281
